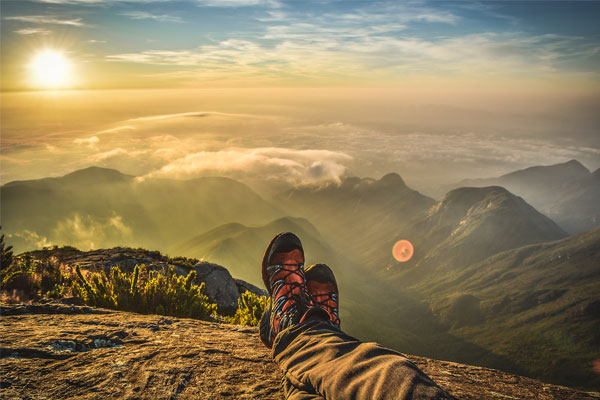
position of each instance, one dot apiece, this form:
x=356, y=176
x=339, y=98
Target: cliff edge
x=61, y=351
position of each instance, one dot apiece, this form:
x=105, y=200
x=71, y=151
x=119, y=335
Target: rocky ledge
x=220, y=287
x=57, y=351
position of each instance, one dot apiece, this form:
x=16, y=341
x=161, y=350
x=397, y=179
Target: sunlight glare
x=50, y=69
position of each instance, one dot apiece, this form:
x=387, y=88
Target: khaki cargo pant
x=321, y=362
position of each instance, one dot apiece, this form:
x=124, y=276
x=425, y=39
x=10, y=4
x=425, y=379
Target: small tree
x=6, y=254
x=250, y=309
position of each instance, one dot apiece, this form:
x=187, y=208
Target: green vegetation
x=250, y=309
x=6, y=254
x=27, y=278
x=145, y=291
x=43, y=274
x=184, y=262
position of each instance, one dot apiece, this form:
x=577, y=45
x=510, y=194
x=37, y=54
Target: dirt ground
x=56, y=351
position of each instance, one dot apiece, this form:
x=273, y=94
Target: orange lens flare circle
x=403, y=250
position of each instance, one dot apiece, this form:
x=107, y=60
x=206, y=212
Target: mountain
x=456, y=299
x=568, y=193
x=241, y=247
x=366, y=297
x=86, y=176
x=99, y=207
x=500, y=275
x=357, y=214
x=538, y=305
x=469, y=225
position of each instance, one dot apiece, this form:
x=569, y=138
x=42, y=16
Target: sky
x=301, y=91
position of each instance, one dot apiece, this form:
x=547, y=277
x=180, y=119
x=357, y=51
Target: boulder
x=245, y=286
x=220, y=286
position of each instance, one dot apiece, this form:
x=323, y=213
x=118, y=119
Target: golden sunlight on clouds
x=50, y=69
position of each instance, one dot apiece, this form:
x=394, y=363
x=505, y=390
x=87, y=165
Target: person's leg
x=317, y=355
x=293, y=392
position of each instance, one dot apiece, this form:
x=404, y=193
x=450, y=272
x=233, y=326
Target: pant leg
x=291, y=392
x=336, y=366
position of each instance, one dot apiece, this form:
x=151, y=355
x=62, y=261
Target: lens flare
x=403, y=250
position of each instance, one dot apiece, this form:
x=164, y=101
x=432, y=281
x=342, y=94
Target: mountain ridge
x=117, y=209
x=464, y=228
x=240, y=246
x=566, y=192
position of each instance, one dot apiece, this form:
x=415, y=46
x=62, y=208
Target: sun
x=50, y=69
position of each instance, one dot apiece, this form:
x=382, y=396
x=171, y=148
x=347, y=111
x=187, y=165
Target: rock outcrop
x=62, y=351
x=220, y=287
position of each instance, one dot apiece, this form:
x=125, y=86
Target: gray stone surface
x=245, y=286
x=219, y=286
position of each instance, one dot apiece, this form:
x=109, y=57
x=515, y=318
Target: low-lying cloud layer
x=294, y=166
x=294, y=142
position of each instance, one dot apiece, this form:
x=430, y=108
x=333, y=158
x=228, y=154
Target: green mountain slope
x=241, y=247
x=538, y=305
x=358, y=214
x=469, y=225
x=99, y=207
x=372, y=307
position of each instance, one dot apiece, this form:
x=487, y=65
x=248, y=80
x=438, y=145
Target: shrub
x=34, y=278
x=6, y=255
x=19, y=275
x=145, y=291
x=250, y=309
x=184, y=262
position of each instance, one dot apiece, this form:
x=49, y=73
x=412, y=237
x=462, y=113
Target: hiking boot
x=324, y=300
x=323, y=290
x=283, y=275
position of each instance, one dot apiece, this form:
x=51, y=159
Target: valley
x=493, y=281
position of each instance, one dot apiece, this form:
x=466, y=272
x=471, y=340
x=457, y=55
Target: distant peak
x=574, y=162
x=572, y=169
x=474, y=193
x=576, y=165
x=392, y=179
x=97, y=174
x=462, y=199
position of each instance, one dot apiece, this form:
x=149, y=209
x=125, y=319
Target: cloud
x=30, y=239
x=33, y=31
x=192, y=114
x=96, y=41
x=117, y=129
x=237, y=3
x=293, y=166
x=310, y=51
x=439, y=17
x=378, y=41
x=155, y=17
x=43, y=19
x=119, y=151
x=89, y=141
x=101, y=2
x=203, y=3
x=88, y=232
